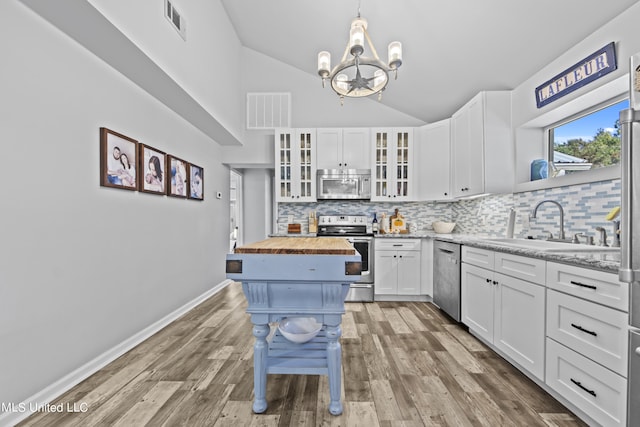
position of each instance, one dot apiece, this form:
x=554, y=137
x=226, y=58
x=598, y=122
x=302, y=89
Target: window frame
x=532, y=132
x=548, y=130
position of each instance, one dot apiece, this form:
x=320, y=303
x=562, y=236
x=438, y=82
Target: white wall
x=84, y=267
x=312, y=106
x=205, y=65
x=527, y=118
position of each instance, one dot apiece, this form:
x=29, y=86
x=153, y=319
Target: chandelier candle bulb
x=378, y=78
x=356, y=36
x=324, y=64
x=341, y=82
x=395, y=55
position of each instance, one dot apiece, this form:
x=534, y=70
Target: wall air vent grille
x=268, y=110
x=176, y=19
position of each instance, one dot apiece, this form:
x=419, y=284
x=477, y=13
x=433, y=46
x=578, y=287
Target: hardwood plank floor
x=404, y=364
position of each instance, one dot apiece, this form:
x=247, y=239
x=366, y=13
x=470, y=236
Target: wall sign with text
x=596, y=65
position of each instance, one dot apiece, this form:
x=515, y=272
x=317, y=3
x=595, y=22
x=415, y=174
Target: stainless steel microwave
x=340, y=184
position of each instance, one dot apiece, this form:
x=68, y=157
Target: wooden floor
x=404, y=364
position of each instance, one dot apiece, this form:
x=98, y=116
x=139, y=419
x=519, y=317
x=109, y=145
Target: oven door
x=364, y=247
x=362, y=291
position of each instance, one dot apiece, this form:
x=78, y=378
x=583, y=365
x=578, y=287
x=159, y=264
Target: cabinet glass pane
x=285, y=189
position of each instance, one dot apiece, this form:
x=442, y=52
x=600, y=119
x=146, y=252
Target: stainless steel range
x=356, y=229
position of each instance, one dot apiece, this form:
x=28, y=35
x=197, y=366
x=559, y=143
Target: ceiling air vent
x=175, y=18
x=268, y=110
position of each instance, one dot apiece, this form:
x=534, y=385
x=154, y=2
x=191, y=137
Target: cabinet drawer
x=397, y=244
x=597, y=391
x=479, y=257
x=531, y=269
x=595, y=331
x=597, y=286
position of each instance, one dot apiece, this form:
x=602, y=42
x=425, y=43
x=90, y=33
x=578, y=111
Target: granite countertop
x=604, y=261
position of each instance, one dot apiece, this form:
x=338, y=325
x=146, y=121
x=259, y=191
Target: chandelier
x=358, y=76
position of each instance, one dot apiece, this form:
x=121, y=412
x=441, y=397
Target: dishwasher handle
x=450, y=255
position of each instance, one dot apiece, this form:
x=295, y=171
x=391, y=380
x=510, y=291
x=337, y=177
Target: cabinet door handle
x=488, y=280
x=495, y=282
x=586, y=331
x=591, y=392
x=573, y=282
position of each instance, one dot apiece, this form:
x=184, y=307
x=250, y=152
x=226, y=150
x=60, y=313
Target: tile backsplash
x=585, y=208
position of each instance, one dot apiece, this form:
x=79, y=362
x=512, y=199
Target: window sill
x=600, y=174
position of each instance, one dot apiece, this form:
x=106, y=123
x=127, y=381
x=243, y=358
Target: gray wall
x=84, y=267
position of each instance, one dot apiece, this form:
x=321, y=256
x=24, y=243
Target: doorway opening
x=235, y=204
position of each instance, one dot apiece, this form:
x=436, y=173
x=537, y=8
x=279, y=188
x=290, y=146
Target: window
x=587, y=141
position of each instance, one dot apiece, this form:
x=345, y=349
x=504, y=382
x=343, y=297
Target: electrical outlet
x=525, y=221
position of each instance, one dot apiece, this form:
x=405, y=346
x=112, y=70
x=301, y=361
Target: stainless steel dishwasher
x=446, y=277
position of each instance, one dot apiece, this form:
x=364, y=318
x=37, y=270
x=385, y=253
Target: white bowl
x=299, y=329
x=441, y=227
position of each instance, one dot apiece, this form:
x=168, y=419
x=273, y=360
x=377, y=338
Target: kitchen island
x=288, y=277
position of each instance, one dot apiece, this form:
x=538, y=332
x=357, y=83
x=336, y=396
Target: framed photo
x=118, y=160
x=152, y=169
x=177, y=177
x=196, y=182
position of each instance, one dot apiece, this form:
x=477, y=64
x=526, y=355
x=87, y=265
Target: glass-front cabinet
x=295, y=165
x=392, y=164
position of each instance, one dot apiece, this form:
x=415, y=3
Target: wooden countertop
x=299, y=246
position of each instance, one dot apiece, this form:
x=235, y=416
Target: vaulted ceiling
x=451, y=49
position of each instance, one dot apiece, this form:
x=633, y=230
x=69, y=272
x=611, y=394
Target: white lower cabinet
x=397, y=267
x=519, y=322
x=597, y=391
x=587, y=341
x=503, y=310
x=593, y=330
x=477, y=300
x=566, y=325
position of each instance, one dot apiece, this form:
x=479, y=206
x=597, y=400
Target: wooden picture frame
x=118, y=162
x=153, y=164
x=196, y=182
x=177, y=177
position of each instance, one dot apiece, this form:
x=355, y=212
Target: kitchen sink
x=550, y=245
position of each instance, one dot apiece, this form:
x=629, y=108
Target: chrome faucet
x=535, y=212
x=603, y=236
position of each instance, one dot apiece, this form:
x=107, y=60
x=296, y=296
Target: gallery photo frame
x=153, y=169
x=196, y=182
x=177, y=177
x=118, y=160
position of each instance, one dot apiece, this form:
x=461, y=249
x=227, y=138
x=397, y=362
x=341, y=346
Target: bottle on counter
x=385, y=224
x=374, y=224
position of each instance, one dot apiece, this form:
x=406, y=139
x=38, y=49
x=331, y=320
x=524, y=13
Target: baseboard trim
x=53, y=391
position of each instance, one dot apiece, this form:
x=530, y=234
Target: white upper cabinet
x=482, y=146
x=432, y=148
x=392, y=165
x=295, y=174
x=346, y=148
